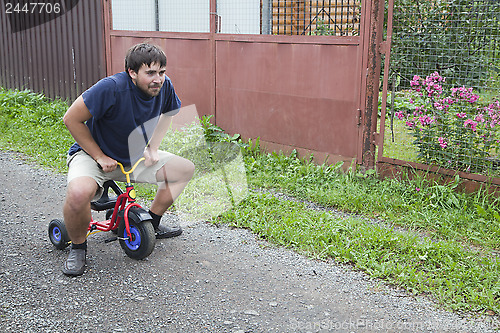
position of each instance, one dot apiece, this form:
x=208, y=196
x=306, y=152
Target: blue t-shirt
x=118, y=108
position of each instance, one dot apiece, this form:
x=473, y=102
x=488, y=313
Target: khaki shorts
x=81, y=164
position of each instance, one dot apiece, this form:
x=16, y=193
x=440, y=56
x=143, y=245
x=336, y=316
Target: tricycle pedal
x=109, y=240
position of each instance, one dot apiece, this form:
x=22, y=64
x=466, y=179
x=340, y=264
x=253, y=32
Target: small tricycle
x=124, y=217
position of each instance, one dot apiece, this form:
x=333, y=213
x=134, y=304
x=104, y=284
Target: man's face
x=149, y=79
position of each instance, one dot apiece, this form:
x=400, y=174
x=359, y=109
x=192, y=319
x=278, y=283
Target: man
x=101, y=121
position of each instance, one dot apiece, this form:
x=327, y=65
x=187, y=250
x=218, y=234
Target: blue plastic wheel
x=142, y=240
x=135, y=242
x=58, y=234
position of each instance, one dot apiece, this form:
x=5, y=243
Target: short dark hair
x=144, y=53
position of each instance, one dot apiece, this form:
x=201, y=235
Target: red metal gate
x=307, y=93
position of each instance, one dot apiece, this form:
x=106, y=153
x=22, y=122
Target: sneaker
x=167, y=232
x=75, y=264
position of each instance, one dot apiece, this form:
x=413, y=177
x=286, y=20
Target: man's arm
x=75, y=119
x=151, y=151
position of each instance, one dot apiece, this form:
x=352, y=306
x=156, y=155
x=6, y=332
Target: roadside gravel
x=209, y=279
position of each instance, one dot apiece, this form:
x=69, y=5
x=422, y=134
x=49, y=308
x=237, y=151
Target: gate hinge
x=217, y=21
x=359, y=117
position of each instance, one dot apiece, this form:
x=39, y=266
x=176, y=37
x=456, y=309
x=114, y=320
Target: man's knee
x=185, y=169
x=189, y=170
x=80, y=192
x=177, y=169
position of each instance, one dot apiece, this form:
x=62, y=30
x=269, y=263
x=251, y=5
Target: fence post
x=376, y=32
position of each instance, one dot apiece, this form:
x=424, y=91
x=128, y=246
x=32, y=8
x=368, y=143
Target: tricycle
x=128, y=220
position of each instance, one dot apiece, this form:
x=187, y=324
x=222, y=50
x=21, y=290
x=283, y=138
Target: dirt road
x=210, y=279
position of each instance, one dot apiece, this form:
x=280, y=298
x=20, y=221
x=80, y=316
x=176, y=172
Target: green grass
x=398, y=142
x=32, y=124
x=417, y=204
x=417, y=234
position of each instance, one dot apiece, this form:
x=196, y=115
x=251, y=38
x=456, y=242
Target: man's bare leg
x=174, y=175
x=77, y=217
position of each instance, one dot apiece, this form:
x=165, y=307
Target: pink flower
x=464, y=94
x=439, y=106
x=400, y=115
x=418, y=110
x=425, y=120
x=469, y=123
x=473, y=98
x=433, y=84
x=415, y=81
x=479, y=118
x=461, y=115
x=442, y=142
x=448, y=100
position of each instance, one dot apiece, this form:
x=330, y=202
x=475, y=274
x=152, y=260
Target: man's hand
x=151, y=156
x=151, y=150
x=107, y=163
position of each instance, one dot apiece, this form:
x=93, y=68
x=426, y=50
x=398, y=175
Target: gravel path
x=209, y=279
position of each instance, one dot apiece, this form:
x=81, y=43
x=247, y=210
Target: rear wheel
x=58, y=234
x=142, y=242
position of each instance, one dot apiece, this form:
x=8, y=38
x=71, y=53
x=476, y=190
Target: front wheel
x=58, y=234
x=142, y=241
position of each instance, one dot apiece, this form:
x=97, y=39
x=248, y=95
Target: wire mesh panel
x=445, y=63
x=239, y=16
x=161, y=15
x=312, y=17
x=457, y=38
x=184, y=16
x=267, y=17
x=290, y=17
x=134, y=15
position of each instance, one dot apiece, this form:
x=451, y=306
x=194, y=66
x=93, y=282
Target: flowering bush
x=452, y=130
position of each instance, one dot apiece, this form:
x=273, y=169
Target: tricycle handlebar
x=131, y=169
x=126, y=173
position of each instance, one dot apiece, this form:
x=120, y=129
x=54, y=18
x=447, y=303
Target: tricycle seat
x=106, y=202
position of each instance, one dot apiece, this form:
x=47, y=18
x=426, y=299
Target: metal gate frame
x=361, y=116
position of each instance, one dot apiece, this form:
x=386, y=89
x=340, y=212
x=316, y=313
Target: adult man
x=101, y=121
